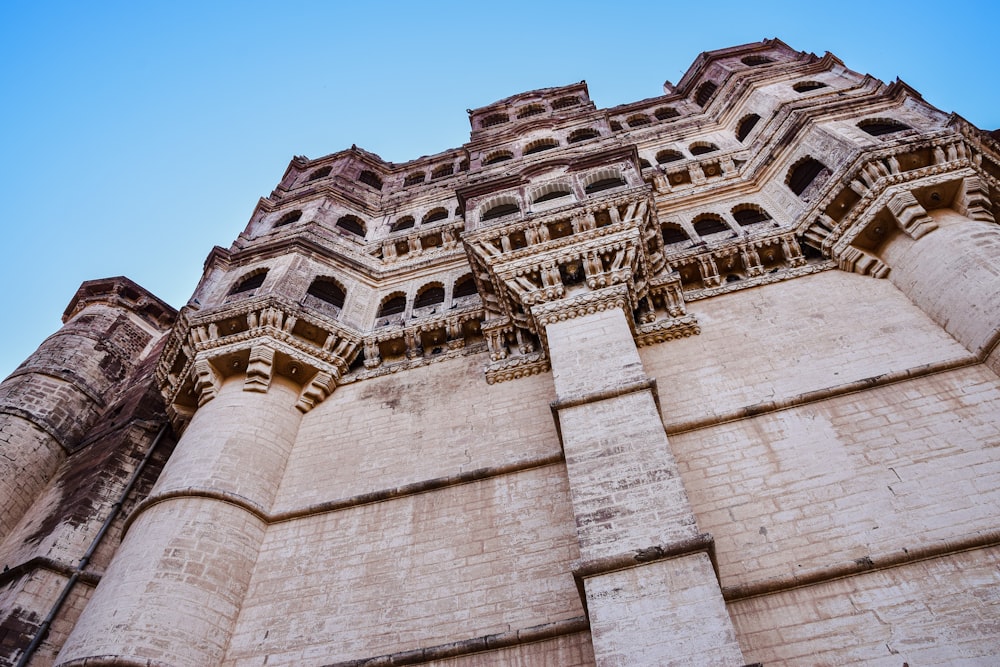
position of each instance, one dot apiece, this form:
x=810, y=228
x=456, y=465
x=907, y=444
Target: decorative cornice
x=588, y=303
x=512, y=368
x=765, y=279
x=669, y=329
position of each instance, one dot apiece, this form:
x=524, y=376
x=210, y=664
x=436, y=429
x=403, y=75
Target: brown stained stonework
x=107, y=457
x=646, y=385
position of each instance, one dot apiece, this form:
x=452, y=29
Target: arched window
x=530, y=110
x=667, y=155
x=746, y=126
x=429, y=296
x=702, y=148
x=371, y=179
x=464, y=286
x=803, y=174
x=583, y=135
x=435, y=215
x=806, y=86
x=674, y=234
x=442, y=170
x=247, y=285
x=605, y=183
x=394, y=304
x=494, y=119
x=415, y=178
x=352, y=224
x=704, y=93
x=557, y=192
x=320, y=173
x=638, y=120
x=663, y=113
x=328, y=290
x=406, y=222
x=754, y=61
x=289, y=218
x=564, y=102
x=500, y=210
x=615, y=126
x=879, y=126
x=498, y=156
x=540, y=145
x=709, y=223
x=644, y=163
x=748, y=214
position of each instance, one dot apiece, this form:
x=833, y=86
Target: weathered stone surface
x=708, y=378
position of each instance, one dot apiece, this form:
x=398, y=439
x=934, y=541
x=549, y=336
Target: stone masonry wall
x=439, y=420
x=779, y=341
x=426, y=569
x=941, y=611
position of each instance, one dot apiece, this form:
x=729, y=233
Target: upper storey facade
x=762, y=163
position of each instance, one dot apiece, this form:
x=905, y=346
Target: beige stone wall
x=25, y=602
x=779, y=341
x=569, y=651
x=860, y=476
x=426, y=569
x=439, y=420
x=24, y=475
x=941, y=611
x=236, y=444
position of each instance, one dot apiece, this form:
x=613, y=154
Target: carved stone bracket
x=517, y=367
x=855, y=260
x=911, y=216
x=259, y=368
x=974, y=201
x=207, y=380
x=315, y=391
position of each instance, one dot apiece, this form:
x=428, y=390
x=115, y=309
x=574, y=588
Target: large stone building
x=705, y=379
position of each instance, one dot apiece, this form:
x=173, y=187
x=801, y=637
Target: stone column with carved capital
x=652, y=593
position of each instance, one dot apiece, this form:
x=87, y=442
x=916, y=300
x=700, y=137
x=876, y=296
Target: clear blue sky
x=135, y=136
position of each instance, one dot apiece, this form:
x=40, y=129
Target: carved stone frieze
x=884, y=179
x=668, y=329
x=562, y=259
x=249, y=338
x=517, y=367
x=616, y=296
x=766, y=279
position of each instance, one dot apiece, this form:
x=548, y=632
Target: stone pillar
x=652, y=594
x=50, y=401
x=173, y=590
x=953, y=274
